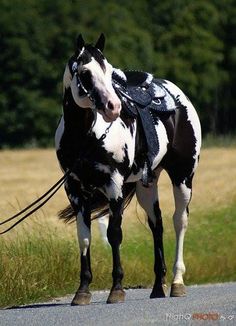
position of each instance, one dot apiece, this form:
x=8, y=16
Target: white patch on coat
x=84, y=234
x=114, y=189
x=116, y=139
x=163, y=142
x=103, y=168
x=102, y=79
x=147, y=196
x=103, y=225
x=59, y=133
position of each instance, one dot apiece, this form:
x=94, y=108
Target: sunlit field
x=40, y=258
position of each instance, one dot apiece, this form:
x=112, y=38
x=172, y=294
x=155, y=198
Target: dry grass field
x=39, y=258
x=26, y=174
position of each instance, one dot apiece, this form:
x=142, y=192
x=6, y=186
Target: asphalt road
x=204, y=305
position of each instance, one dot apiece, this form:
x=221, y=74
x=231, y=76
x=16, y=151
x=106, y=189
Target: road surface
x=204, y=305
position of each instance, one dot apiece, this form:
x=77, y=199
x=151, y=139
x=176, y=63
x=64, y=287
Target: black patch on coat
x=86, y=79
x=179, y=160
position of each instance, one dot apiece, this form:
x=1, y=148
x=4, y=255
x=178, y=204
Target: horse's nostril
x=110, y=106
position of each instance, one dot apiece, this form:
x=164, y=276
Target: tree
x=192, y=43
x=189, y=52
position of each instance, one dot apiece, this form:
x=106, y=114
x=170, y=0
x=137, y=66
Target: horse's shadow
x=37, y=306
x=60, y=304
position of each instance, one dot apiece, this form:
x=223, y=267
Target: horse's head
x=90, y=77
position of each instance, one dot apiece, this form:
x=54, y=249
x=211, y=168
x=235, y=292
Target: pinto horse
x=118, y=131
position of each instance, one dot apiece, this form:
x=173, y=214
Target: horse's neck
x=78, y=120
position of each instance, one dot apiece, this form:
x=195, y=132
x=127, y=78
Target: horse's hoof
x=81, y=299
x=159, y=291
x=116, y=296
x=178, y=290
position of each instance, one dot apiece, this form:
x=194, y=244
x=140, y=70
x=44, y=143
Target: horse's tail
x=99, y=204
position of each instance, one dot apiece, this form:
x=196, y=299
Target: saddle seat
x=139, y=90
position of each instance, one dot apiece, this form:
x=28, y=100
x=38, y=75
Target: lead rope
x=46, y=196
x=60, y=182
x=38, y=201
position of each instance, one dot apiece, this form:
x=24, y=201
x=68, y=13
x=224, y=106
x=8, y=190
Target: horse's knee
x=114, y=235
x=182, y=196
x=148, y=200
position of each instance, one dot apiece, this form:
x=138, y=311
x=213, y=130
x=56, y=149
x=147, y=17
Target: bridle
x=83, y=91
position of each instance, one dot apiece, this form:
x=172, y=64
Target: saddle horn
x=100, y=42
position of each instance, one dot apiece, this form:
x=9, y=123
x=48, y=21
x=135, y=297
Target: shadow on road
x=36, y=306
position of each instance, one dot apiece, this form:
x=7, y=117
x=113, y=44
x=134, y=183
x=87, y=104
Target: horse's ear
x=100, y=42
x=80, y=43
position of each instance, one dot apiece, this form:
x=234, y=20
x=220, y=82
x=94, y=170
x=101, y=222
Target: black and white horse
x=118, y=131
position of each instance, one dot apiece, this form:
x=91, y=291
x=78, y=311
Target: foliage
x=192, y=43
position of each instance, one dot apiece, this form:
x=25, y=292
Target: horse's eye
x=86, y=79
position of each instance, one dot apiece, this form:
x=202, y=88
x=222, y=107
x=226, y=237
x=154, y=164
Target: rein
x=45, y=197
x=41, y=201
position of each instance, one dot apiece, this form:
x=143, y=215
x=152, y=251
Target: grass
x=219, y=141
x=40, y=258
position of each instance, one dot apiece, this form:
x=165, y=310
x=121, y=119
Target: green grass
x=210, y=247
x=45, y=263
x=36, y=268
x=219, y=141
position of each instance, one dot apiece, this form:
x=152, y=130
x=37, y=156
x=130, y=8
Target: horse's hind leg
x=148, y=199
x=182, y=195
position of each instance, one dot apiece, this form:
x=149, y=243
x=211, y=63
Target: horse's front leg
x=114, y=235
x=83, y=221
x=81, y=207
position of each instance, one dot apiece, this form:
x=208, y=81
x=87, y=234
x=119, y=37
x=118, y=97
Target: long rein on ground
x=41, y=201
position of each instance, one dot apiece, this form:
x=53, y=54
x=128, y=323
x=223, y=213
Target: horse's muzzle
x=111, y=111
